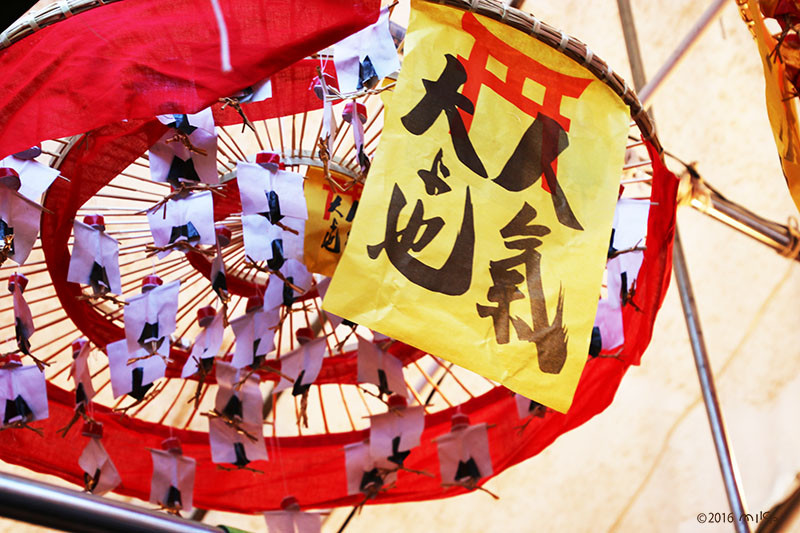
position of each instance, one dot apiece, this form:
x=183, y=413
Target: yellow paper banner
x=330, y=215
x=780, y=103
x=484, y=226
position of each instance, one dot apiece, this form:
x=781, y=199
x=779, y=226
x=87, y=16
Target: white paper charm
x=302, y=365
x=100, y=474
x=526, y=407
x=84, y=391
x=264, y=241
x=366, y=56
x=188, y=219
x=236, y=433
x=94, y=260
x=23, y=395
x=19, y=224
x=293, y=522
x=367, y=474
x=255, y=337
x=172, y=485
x=150, y=317
x=35, y=178
x=392, y=435
x=137, y=378
x=380, y=368
x=464, y=456
x=23, y=320
x=172, y=161
x=206, y=345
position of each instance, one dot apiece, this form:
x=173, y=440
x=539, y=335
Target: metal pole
x=632, y=44
x=69, y=510
x=730, y=473
x=724, y=454
x=710, y=14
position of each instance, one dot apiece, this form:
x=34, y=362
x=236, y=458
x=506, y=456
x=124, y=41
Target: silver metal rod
x=705, y=20
x=724, y=454
x=69, y=510
x=730, y=474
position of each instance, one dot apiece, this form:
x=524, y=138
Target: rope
x=792, y=248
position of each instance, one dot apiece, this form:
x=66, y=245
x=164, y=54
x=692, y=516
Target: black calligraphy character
x=535, y=154
x=334, y=207
x=442, y=96
x=550, y=339
x=455, y=275
x=433, y=183
x=352, y=213
x=331, y=240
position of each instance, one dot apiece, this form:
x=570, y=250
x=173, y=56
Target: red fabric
x=312, y=467
x=141, y=58
x=652, y=282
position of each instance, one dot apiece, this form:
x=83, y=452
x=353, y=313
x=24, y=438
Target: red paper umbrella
x=101, y=78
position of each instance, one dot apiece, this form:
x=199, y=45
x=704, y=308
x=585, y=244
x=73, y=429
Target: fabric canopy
x=96, y=72
x=141, y=58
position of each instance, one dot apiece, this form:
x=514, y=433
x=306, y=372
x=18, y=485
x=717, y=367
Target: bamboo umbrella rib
x=194, y=410
x=364, y=400
x=322, y=410
x=174, y=401
x=346, y=408
x=269, y=137
x=233, y=140
x=152, y=396
x=432, y=384
x=280, y=133
x=417, y=397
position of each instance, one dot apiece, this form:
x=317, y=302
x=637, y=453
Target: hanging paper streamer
x=330, y=214
x=498, y=234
